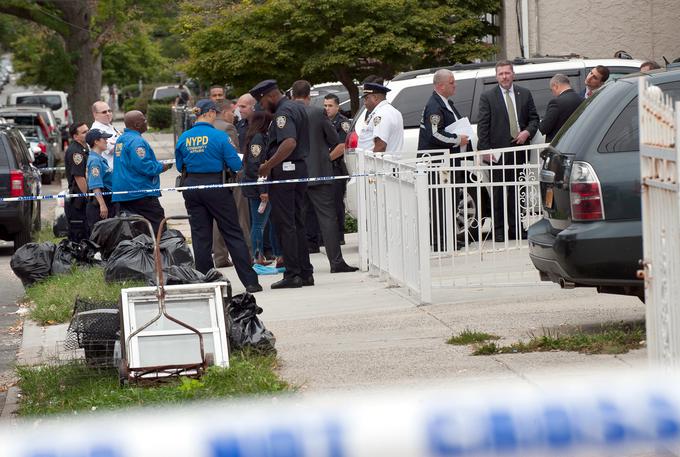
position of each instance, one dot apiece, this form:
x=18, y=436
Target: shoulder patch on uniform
x=376, y=120
x=141, y=152
x=435, y=119
x=77, y=158
x=281, y=121
x=95, y=171
x=255, y=150
x=119, y=149
x=345, y=126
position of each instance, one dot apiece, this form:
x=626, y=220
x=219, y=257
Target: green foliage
x=468, y=336
x=159, y=116
x=343, y=40
x=351, y=225
x=54, y=297
x=125, y=62
x=78, y=388
x=46, y=234
x=42, y=60
x=130, y=104
x=611, y=338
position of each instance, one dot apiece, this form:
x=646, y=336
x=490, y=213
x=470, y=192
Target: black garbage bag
x=33, y=262
x=108, y=233
x=174, y=246
x=60, y=226
x=69, y=253
x=94, y=327
x=132, y=260
x=180, y=274
x=246, y=330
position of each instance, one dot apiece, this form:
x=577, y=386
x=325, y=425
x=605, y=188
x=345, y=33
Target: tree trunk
x=346, y=79
x=87, y=58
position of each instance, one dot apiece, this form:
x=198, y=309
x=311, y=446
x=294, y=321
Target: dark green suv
x=591, y=231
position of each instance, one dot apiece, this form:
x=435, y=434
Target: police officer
x=75, y=161
x=439, y=113
x=287, y=148
x=331, y=104
x=136, y=169
x=99, y=178
x=203, y=152
x=384, y=129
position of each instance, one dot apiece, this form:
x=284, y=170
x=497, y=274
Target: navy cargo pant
x=288, y=211
x=206, y=205
x=74, y=210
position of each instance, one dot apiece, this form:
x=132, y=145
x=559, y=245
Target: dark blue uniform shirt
x=252, y=159
x=342, y=125
x=98, y=172
x=436, y=116
x=204, y=149
x=135, y=167
x=290, y=121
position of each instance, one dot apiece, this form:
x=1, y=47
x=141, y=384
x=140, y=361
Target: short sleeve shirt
x=384, y=122
x=75, y=161
x=99, y=175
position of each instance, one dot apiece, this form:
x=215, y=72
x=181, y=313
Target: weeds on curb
x=468, y=336
x=53, y=298
x=612, y=338
x=75, y=388
x=46, y=234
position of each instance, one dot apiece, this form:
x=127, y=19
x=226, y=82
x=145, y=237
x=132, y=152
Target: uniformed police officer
x=331, y=104
x=136, y=169
x=288, y=145
x=203, y=152
x=384, y=129
x=99, y=178
x=439, y=113
x=75, y=161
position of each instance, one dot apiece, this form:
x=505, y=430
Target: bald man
x=103, y=121
x=137, y=169
x=246, y=107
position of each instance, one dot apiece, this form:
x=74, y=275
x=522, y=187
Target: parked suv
x=18, y=178
x=591, y=231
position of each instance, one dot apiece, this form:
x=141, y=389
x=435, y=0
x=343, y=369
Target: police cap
x=374, y=88
x=263, y=88
x=94, y=135
x=207, y=105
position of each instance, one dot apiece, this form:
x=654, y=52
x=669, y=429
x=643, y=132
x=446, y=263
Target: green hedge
x=159, y=116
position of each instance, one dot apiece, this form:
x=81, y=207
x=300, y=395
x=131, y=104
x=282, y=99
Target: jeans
x=258, y=221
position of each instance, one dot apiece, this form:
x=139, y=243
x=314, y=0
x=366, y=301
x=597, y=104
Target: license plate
x=548, y=198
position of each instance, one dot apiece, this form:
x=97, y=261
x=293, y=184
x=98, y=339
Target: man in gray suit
x=323, y=143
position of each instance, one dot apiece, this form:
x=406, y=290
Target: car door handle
x=547, y=176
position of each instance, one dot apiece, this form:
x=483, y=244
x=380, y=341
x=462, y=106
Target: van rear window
x=51, y=101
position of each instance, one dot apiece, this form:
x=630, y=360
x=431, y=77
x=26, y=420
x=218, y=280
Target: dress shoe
x=342, y=242
x=308, y=281
x=223, y=264
x=343, y=268
x=290, y=282
x=252, y=288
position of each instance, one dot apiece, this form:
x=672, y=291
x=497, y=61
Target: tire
x=472, y=223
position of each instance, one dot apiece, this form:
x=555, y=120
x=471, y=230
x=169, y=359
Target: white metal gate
x=660, y=223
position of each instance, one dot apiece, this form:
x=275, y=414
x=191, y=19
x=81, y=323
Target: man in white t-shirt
x=384, y=129
x=103, y=117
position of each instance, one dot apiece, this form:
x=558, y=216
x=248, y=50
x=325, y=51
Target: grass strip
x=54, y=297
x=46, y=234
x=468, y=336
x=74, y=387
x=611, y=338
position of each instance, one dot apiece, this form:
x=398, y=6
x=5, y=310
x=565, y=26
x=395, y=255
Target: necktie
x=455, y=113
x=512, y=114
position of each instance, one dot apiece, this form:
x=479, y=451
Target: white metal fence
x=660, y=222
x=448, y=220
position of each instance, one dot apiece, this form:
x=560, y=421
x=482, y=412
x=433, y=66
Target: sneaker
x=252, y=288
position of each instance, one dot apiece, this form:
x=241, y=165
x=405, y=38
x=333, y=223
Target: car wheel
x=37, y=221
x=467, y=207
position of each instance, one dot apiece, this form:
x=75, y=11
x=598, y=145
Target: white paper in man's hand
x=461, y=127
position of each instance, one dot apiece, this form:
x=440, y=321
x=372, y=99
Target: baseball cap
x=94, y=135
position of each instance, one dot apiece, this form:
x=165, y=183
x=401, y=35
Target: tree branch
x=31, y=13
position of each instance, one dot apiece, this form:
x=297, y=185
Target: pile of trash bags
x=246, y=330
x=122, y=247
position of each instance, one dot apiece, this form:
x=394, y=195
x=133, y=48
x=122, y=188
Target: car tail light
x=43, y=147
x=585, y=193
x=66, y=116
x=352, y=140
x=16, y=179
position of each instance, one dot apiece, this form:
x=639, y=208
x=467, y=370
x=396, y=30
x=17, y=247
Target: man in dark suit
x=507, y=118
x=560, y=107
x=323, y=142
x=439, y=113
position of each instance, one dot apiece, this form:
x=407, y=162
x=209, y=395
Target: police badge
x=345, y=126
x=376, y=121
x=119, y=149
x=255, y=150
x=281, y=121
x=77, y=158
x=141, y=152
x=434, y=119
x=95, y=171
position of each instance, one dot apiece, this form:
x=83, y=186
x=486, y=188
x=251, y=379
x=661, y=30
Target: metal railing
x=448, y=220
x=659, y=159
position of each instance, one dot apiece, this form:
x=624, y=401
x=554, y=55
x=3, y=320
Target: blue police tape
x=202, y=186
x=619, y=415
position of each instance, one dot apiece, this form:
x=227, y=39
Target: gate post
x=362, y=210
x=423, y=234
